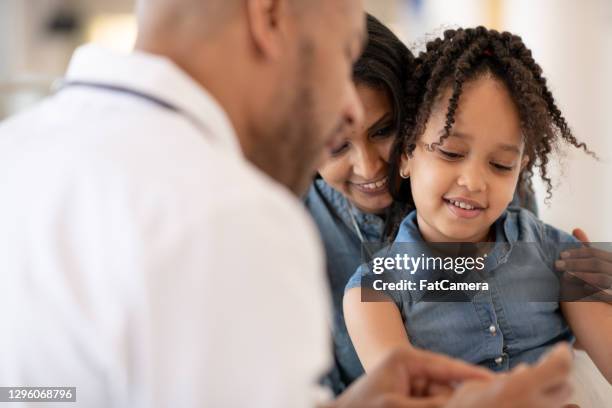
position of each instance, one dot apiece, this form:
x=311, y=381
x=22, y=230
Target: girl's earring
x=402, y=175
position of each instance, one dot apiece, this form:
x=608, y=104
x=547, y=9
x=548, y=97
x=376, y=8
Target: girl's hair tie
x=487, y=52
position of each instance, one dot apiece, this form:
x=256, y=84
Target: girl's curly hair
x=463, y=55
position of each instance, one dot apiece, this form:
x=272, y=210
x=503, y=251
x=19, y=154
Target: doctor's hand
x=588, y=268
x=410, y=378
x=545, y=385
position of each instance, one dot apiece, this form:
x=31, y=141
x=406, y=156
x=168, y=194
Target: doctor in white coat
x=152, y=253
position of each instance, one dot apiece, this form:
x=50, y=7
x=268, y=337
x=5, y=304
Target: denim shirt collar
x=370, y=225
x=506, y=228
x=506, y=235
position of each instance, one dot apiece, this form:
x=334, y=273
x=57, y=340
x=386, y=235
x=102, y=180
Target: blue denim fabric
x=494, y=329
x=330, y=210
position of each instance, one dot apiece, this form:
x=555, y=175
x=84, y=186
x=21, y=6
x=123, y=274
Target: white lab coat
x=144, y=260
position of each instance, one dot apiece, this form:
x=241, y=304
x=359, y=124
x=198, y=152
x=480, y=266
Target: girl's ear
x=404, y=169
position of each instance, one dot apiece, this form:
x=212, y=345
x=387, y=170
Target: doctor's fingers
x=399, y=401
x=435, y=368
x=548, y=376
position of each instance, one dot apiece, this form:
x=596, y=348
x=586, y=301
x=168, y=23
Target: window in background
x=114, y=31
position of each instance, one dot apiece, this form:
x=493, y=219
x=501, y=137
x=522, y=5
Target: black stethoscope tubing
x=137, y=94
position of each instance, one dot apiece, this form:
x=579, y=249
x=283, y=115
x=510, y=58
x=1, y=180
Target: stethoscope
x=351, y=211
x=63, y=84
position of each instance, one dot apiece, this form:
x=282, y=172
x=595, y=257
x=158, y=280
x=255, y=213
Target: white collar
x=157, y=77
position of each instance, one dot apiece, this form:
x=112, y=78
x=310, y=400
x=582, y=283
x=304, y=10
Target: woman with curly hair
x=486, y=120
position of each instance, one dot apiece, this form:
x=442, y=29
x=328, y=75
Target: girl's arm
x=591, y=323
x=375, y=328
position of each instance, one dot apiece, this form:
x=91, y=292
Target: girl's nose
x=473, y=179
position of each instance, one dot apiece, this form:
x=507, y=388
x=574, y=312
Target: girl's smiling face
x=359, y=167
x=463, y=186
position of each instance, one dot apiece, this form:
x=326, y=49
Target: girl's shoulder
x=529, y=228
x=408, y=230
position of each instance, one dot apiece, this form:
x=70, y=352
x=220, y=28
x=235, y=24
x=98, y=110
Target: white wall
x=572, y=41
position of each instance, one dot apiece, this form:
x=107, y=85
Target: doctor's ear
x=267, y=25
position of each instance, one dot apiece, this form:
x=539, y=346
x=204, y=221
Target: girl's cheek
x=433, y=170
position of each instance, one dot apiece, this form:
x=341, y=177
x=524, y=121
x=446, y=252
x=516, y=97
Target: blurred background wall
x=572, y=41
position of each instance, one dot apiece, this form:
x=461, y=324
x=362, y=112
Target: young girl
x=486, y=119
x=351, y=198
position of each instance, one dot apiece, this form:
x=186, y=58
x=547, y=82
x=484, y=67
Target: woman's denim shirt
x=500, y=327
x=331, y=212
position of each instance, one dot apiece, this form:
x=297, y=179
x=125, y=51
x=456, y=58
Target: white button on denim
x=493, y=329
x=499, y=360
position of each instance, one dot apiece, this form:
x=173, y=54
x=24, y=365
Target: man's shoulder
x=247, y=185
x=167, y=164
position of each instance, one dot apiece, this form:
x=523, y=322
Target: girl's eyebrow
x=502, y=146
x=455, y=133
x=510, y=148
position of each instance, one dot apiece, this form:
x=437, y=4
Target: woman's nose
x=368, y=164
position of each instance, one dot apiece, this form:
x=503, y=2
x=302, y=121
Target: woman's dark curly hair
x=464, y=55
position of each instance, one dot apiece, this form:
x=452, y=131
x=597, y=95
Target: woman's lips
x=373, y=188
x=455, y=207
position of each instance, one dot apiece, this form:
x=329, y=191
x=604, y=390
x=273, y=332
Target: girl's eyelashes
x=450, y=155
x=501, y=167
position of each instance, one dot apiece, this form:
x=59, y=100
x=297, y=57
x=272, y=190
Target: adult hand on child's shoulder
x=545, y=385
x=588, y=267
x=411, y=378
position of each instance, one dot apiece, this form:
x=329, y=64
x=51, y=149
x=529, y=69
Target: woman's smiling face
x=359, y=167
x=463, y=186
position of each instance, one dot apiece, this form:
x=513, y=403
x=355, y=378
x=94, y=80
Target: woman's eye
x=339, y=150
x=450, y=155
x=501, y=167
x=383, y=132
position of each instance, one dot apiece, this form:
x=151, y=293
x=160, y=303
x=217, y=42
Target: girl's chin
x=455, y=235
